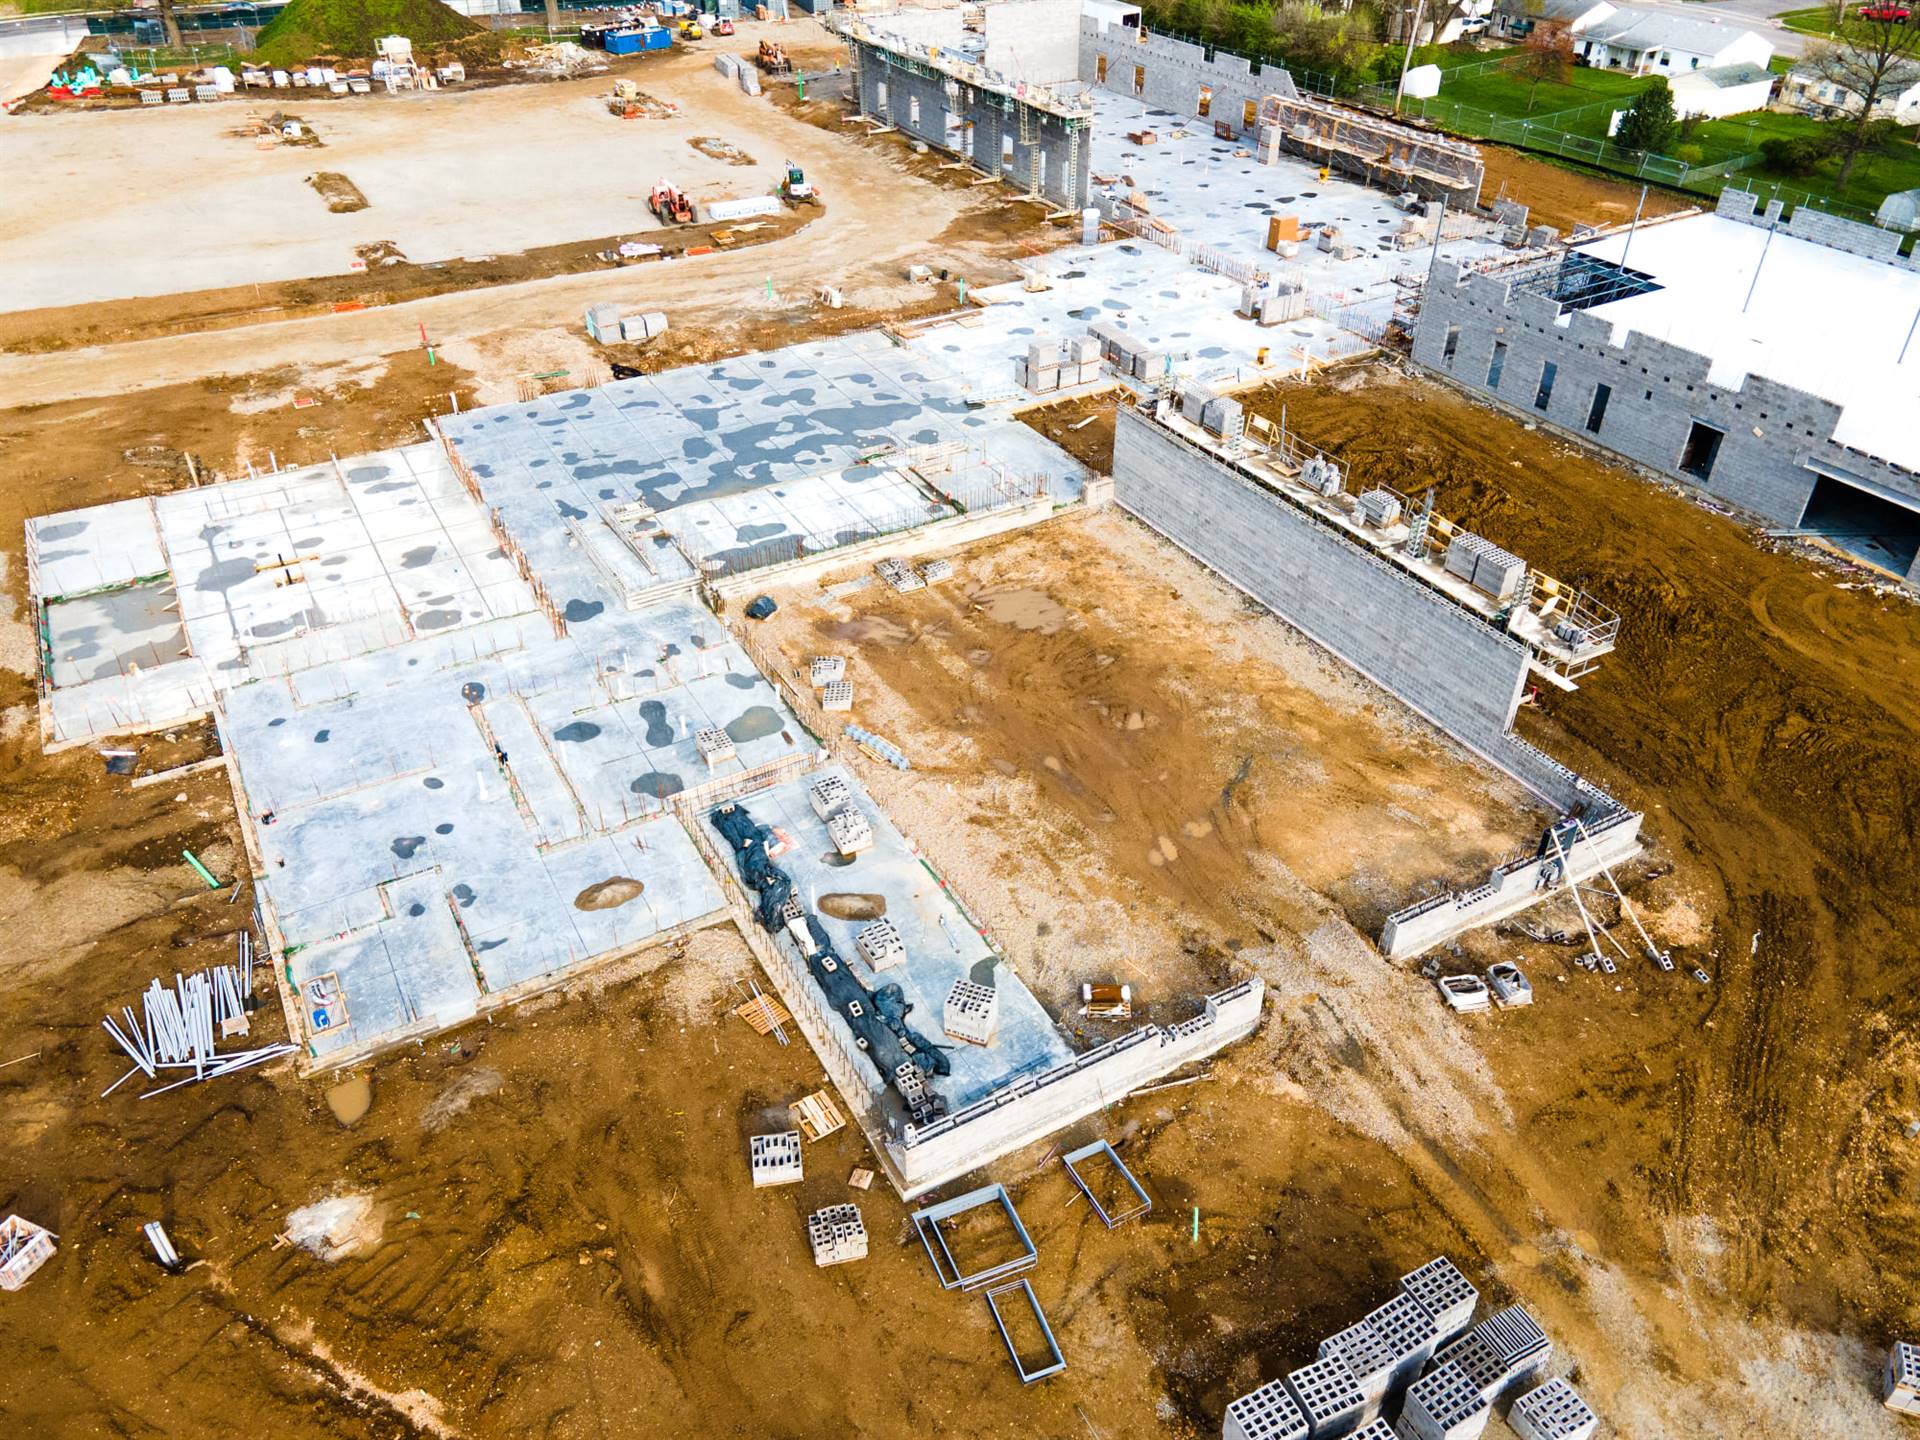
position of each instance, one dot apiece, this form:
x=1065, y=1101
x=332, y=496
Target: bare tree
x=170, y=24
x=1438, y=14
x=1547, y=55
x=1871, y=63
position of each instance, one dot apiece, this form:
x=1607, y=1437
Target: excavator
x=670, y=205
x=794, y=188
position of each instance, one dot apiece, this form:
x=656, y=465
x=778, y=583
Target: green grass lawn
x=59, y=7
x=1506, y=93
x=1875, y=175
x=1813, y=20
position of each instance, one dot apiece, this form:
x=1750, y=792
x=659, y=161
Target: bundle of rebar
x=179, y=1028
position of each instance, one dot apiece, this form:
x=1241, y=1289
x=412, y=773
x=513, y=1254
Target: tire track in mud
x=1769, y=722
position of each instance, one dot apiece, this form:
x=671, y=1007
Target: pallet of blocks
x=775, y=1159
x=837, y=1235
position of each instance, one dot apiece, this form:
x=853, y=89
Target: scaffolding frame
x=1385, y=152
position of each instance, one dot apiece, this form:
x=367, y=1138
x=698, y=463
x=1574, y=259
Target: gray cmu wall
x=1175, y=72
x=1820, y=228
x=1067, y=177
x=1659, y=390
x=1445, y=662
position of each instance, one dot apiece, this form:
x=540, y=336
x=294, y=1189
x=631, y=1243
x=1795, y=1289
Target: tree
x=1649, y=123
x=170, y=24
x=1548, y=55
x=1434, y=16
x=1870, y=62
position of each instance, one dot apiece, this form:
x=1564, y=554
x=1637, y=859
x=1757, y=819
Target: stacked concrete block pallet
x=1269, y=1413
x=1443, y=1405
x=1485, y=566
x=1131, y=355
x=881, y=945
x=972, y=1012
x=1445, y=1294
x=1329, y=1397
x=775, y=1159
x=1368, y=1358
x=850, y=831
x=1052, y=364
x=1501, y=1351
x=830, y=796
x=1554, y=1411
x=1409, y=1335
x=837, y=1235
x=1900, y=1387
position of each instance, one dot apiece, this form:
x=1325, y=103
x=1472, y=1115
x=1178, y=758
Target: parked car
x=1895, y=14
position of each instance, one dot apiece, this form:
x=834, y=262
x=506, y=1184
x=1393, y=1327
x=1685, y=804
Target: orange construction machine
x=670, y=205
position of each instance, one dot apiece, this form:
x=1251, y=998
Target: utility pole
x=1413, y=32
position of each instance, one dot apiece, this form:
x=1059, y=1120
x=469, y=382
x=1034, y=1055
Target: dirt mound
x=343, y=197
x=351, y=29
x=848, y=905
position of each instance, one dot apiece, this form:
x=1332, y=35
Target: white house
x=1517, y=17
x=1722, y=90
x=1813, y=95
x=1653, y=42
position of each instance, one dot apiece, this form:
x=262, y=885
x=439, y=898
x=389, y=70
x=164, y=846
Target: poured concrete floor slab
x=564, y=470
x=114, y=633
x=942, y=946
x=77, y=551
x=521, y=794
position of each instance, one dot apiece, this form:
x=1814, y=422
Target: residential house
x=1654, y=42
x=1722, y=90
x=1812, y=94
x=1515, y=19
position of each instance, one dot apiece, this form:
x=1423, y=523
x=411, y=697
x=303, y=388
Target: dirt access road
x=871, y=227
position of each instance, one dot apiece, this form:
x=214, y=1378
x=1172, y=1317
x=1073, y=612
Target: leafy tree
x=1871, y=63
x=1649, y=123
x=1547, y=55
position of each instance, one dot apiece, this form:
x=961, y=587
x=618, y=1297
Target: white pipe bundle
x=178, y=1029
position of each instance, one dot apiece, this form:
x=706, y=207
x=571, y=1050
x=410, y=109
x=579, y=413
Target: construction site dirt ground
x=1591, y=1156
x=1733, y=1160
x=1707, y=1194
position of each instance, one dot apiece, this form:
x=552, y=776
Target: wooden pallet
x=817, y=1115
x=764, y=1014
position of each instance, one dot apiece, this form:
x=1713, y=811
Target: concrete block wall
x=1772, y=431
x=1816, y=226
x=1175, y=71
x=920, y=106
x=923, y=1158
x=1444, y=661
x=1512, y=887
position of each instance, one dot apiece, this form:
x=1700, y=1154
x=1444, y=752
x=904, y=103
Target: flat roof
x=1820, y=320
